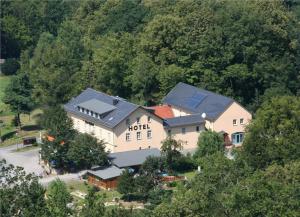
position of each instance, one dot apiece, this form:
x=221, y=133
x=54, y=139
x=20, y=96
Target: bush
x=10, y=67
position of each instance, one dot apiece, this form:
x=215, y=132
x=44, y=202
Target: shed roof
x=107, y=173
x=197, y=101
x=112, y=118
x=132, y=158
x=184, y=120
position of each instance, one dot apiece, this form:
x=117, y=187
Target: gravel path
x=29, y=160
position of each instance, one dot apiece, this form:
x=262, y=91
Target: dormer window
x=96, y=115
x=87, y=111
x=78, y=108
x=92, y=113
x=82, y=110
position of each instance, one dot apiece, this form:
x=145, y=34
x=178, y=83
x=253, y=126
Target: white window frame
x=237, y=138
x=242, y=121
x=234, y=122
x=149, y=134
x=139, y=135
x=127, y=137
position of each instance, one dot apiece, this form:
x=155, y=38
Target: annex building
x=186, y=112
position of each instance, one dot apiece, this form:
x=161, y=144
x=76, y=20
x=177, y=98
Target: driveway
x=29, y=160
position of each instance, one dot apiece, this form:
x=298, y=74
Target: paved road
x=29, y=160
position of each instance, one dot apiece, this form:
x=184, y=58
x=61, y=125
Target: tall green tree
x=274, y=134
x=94, y=206
x=85, y=151
x=60, y=127
x=58, y=199
x=18, y=95
x=209, y=142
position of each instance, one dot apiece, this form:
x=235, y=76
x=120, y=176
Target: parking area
x=29, y=160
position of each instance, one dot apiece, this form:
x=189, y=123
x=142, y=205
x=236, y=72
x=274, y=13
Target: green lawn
x=29, y=128
x=80, y=186
x=4, y=81
x=189, y=175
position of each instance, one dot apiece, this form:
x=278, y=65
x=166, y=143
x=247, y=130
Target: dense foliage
x=64, y=147
x=140, y=49
x=18, y=95
x=20, y=193
x=209, y=142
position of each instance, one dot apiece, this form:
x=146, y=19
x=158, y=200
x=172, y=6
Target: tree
x=94, y=206
x=126, y=183
x=170, y=149
x=85, y=151
x=209, y=142
x=20, y=193
x=60, y=127
x=10, y=66
x=57, y=123
x=58, y=199
x=18, y=95
x=272, y=192
x=274, y=134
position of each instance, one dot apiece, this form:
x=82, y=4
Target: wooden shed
x=106, y=178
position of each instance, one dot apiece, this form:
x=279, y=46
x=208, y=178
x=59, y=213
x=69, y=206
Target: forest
x=139, y=50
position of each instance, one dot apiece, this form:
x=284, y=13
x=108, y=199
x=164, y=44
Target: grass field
x=81, y=186
x=4, y=109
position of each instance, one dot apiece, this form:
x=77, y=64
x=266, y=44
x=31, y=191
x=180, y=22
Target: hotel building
x=185, y=113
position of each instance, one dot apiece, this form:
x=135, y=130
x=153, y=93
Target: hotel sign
x=139, y=127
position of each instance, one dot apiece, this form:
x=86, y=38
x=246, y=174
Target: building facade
x=187, y=111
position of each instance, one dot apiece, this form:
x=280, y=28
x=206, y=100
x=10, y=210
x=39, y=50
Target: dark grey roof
x=197, y=101
x=113, y=118
x=184, y=120
x=132, y=158
x=107, y=173
x=96, y=105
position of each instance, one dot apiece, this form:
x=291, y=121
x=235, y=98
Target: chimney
x=115, y=101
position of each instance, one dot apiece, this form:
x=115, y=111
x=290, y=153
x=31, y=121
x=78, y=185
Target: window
x=82, y=110
x=197, y=128
x=127, y=121
x=149, y=119
x=96, y=115
x=234, y=122
x=92, y=113
x=87, y=111
x=149, y=134
x=138, y=135
x=138, y=120
x=78, y=108
x=183, y=130
x=169, y=132
x=149, y=146
x=127, y=137
x=242, y=121
x=237, y=138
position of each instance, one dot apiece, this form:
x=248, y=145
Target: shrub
x=10, y=66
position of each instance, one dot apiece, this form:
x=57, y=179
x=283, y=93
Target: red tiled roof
x=163, y=111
